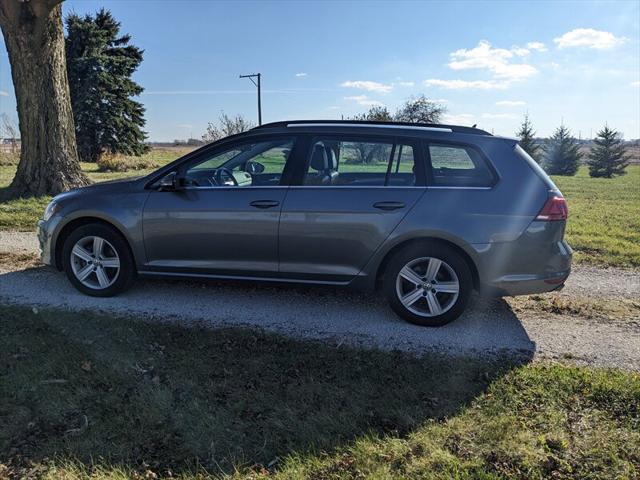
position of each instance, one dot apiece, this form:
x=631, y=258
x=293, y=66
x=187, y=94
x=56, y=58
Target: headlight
x=50, y=210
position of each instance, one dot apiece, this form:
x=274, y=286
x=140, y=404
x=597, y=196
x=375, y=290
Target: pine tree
x=527, y=141
x=100, y=63
x=562, y=153
x=607, y=157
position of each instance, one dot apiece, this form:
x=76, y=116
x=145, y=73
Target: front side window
x=335, y=162
x=459, y=166
x=244, y=165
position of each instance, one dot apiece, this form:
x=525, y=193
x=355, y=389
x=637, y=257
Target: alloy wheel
x=95, y=262
x=427, y=286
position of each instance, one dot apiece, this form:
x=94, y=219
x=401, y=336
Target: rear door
x=346, y=202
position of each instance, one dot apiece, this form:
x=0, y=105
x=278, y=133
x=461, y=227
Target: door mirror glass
x=254, y=168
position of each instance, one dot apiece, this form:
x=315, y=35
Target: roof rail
x=369, y=123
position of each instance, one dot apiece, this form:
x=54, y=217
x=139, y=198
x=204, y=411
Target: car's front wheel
x=97, y=260
x=428, y=285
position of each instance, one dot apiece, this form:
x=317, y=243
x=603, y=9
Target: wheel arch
x=430, y=240
x=76, y=223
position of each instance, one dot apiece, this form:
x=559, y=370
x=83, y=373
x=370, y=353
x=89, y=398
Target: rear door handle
x=388, y=205
x=264, y=203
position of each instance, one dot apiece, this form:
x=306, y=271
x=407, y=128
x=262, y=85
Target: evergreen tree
x=527, y=141
x=100, y=62
x=562, y=154
x=607, y=157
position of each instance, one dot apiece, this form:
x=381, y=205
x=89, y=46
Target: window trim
x=179, y=166
x=426, y=143
x=393, y=140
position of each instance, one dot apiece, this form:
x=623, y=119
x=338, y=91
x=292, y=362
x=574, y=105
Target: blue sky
x=489, y=62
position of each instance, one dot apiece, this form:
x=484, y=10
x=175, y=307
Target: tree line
x=560, y=154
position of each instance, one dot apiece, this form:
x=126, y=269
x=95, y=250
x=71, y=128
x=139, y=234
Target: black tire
x=124, y=277
x=437, y=251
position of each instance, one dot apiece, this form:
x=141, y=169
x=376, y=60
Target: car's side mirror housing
x=171, y=182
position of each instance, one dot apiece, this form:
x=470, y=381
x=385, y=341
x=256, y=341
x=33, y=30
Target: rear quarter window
x=458, y=166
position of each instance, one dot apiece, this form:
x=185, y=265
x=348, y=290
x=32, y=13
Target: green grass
x=604, y=217
x=89, y=396
x=603, y=228
x=22, y=214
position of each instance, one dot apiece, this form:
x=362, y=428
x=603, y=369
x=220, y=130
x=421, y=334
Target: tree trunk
x=34, y=37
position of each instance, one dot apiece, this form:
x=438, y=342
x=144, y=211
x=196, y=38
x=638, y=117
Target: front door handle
x=264, y=203
x=388, y=205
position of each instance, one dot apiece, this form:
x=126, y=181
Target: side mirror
x=254, y=168
x=170, y=182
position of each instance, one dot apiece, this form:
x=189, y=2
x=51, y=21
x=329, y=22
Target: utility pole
x=251, y=77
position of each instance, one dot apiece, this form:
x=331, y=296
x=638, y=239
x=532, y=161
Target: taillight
x=555, y=209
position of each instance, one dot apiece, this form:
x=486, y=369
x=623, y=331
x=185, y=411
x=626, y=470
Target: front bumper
x=45, y=241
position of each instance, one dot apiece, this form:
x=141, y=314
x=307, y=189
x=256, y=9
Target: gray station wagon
x=425, y=213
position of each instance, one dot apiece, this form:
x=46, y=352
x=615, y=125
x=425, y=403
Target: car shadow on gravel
x=96, y=390
x=313, y=312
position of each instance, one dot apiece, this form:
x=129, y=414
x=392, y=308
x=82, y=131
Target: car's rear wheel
x=428, y=285
x=97, y=260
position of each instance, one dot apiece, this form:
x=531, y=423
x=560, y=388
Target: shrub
x=115, y=162
x=9, y=159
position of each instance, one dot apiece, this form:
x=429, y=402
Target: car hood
x=109, y=186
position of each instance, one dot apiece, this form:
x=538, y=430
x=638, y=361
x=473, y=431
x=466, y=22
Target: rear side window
x=355, y=162
x=458, y=166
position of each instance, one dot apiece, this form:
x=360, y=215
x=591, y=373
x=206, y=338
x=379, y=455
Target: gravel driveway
x=345, y=317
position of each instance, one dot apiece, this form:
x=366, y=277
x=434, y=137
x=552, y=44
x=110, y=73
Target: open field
x=604, y=224
x=85, y=395
x=604, y=217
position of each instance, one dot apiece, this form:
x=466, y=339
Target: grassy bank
x=604, y=225
x=88, y=396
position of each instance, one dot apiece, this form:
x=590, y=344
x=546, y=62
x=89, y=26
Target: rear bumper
x=539, y=261
x=511, y=285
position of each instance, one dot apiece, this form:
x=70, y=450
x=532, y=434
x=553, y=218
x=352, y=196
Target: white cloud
x=496, y=60
x=511, y=103
x=499, y=115
x=3, y=93
x=635, y=84
x=406, y=84
x=459, y=119
x=333, y=107
x=364, y=101
x=588, y=37
x=519, y=51
x=537, y=46
x=301, y=74
x=467, y=84
x=367, y=85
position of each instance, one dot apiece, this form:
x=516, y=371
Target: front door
x=225, y=220
x=354, y=192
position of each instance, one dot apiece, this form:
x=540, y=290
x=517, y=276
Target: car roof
x=433, y=127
